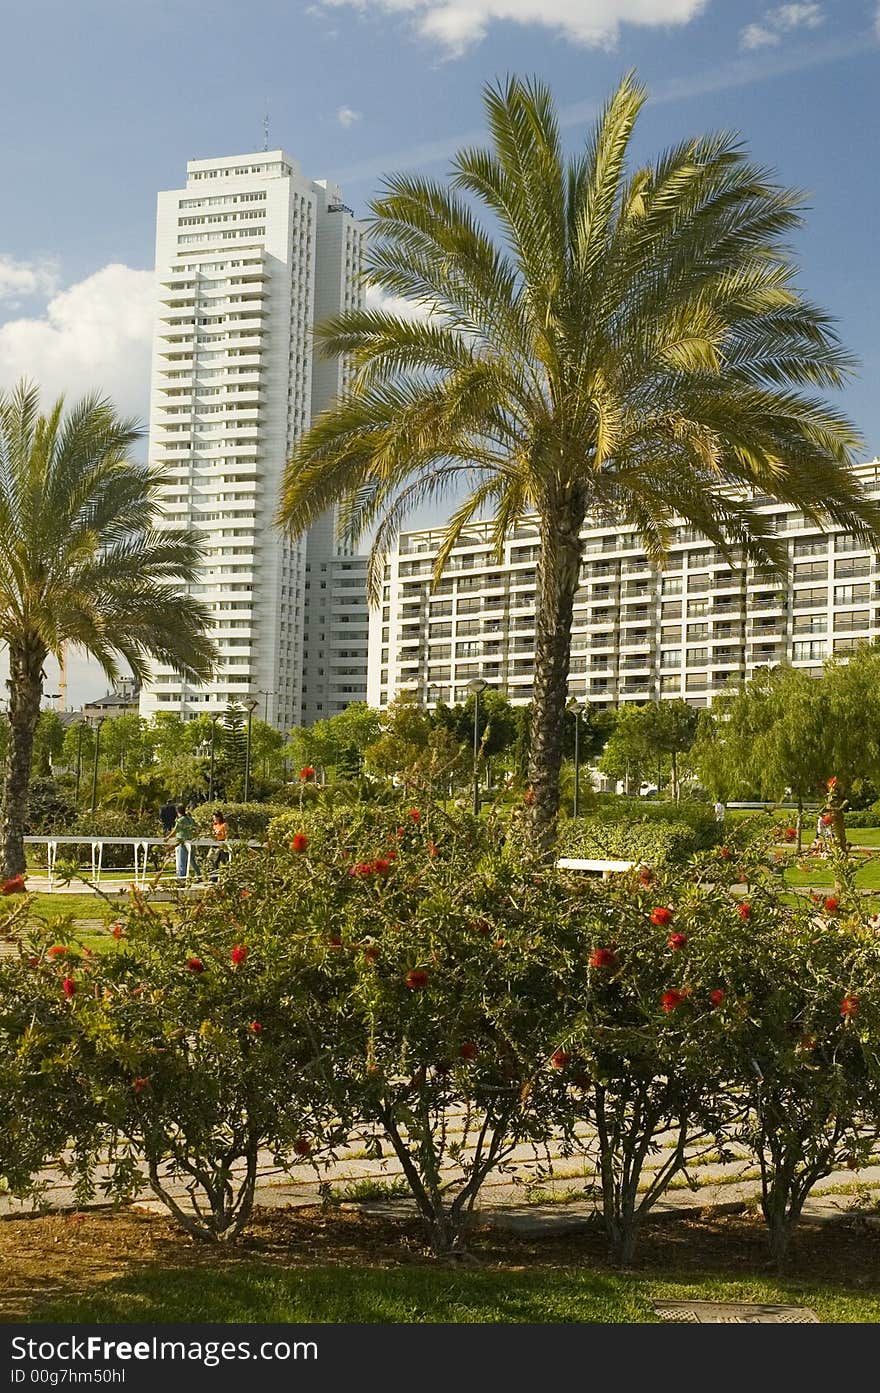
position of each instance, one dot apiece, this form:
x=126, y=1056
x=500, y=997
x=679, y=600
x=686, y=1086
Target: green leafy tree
x=608, y=337
x=125, y=743
x=339, y=743
x=851, y=699
x=48, y=742
x=773, y=735
x=81, y=562
x=626, y=755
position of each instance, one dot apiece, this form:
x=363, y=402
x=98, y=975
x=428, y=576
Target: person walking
x=720, y=812
x=183, y=834
x=220, y=831
x=168, y=817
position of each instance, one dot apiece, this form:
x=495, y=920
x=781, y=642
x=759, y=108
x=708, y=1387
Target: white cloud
x=93, y=336
x=457, y=24
x=19, y=280
x=378, y=299
x=780, y=21
x=347, y=117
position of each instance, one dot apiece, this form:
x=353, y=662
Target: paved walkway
x=537, y=1188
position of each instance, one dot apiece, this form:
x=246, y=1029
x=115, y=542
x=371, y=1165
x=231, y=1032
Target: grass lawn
x=864, y=836
x=256, y=1292
x=821, y=873
x=333, y=1266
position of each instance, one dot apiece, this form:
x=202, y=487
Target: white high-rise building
x=250, y=255
x=639, y=633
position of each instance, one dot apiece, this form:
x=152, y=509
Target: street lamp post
x=251, y=706
x=476, y=687
x=574, y=707
x=98, y=724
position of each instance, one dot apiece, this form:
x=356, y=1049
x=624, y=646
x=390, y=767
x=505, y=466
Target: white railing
x=140, y=847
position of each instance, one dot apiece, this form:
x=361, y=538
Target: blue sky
x=103, y=101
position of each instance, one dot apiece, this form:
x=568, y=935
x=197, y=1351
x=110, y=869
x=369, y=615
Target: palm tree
x=606, y=341
x=81, y=563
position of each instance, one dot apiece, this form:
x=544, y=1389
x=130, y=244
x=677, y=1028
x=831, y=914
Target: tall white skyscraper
x=250, y=255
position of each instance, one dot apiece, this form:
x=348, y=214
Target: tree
x=626, y=755
x=48, y=741
x=773, y=735
x=851, y=700
x=630, y=341
x=339, y=742
x=81, y=563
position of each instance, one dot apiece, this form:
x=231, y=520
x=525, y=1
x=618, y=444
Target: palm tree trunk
x=26, y=660
x=558, y=577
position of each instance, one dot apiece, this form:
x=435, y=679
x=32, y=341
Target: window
x=671, y=585
x=808, y=650
x=670, y=657
x=697, y=657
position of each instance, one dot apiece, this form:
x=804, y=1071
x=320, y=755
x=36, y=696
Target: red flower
x=68, y=986
x=831, y=904
x=646, y=876
x=603, y=957
x=832, y=782
x=371, y=953
x=140, y=1085
x=661, y=916
x=401, y=831
x=245, y=894
x=416, y=979
x=391, y=855
x=433, y=850
x=195, y=965
x=717, y=996
x=529, y=797
x=302, y=1147
x=117, y=930
x=14, y=885
x=676, y=941
x=744, y=910
x=381, y=866
x=469, y=1050
x=57, y=951
x=415, y=814
x=724, y=853
x=791, y=834
x=300, y=841
x=361, y=869
x=255, y=1027
x=559, y=1059
x=827, y=819
x=306, y=773
x=849, y=1006
x=670, y=1000
x=239, y=954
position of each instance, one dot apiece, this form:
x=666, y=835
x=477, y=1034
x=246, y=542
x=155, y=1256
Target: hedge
x=658, y=844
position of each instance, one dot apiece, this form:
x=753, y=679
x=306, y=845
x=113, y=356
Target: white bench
x=603, y=868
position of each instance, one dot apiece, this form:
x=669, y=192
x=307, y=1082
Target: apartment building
x=639, y=633
x=250, y=255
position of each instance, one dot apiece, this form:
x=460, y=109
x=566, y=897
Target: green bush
x=248, y=820
x=657, y=844
x=864, y=817
x=698, y=816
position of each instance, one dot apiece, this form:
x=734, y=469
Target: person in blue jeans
x=184, y=831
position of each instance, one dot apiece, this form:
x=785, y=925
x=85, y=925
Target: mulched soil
x=44, y=1258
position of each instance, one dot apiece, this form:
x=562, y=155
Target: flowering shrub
x=453, y=987
x=197, y=1043
x=658, y=843
x=43, y=1095
x=384, y=966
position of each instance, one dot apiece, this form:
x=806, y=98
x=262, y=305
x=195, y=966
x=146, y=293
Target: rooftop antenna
x=266, y=129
